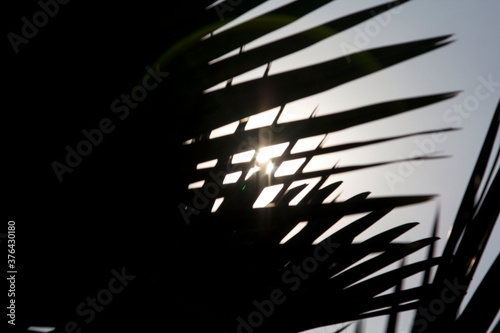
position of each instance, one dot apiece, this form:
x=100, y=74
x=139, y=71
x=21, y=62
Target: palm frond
x=237, y=244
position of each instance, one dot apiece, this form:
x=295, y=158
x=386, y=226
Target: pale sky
x=462, y=66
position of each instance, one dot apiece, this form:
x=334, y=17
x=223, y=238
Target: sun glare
x=251, y=172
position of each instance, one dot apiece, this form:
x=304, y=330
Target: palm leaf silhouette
x=237, y=247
